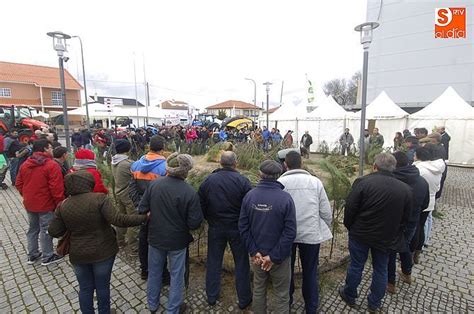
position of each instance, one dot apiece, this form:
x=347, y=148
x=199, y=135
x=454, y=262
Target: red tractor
x=19, y=118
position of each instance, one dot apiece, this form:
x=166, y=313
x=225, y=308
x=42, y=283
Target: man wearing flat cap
x=174, y=209
x=267, y=225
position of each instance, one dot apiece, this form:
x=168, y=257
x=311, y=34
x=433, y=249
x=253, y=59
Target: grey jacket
x=313, y=211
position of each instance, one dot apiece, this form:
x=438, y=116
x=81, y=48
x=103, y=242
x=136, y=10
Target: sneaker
x=345, y=298
x=373, y=310
x=53, y=259
x=33, y=260
x=391, y=288
x=144, y=275
x=4, y=186
x=243, y=307
x=405, y=277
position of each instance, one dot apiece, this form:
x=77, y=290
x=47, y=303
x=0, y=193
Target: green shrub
x=249, y=155
x=323, y=148
x=196, y=176
x=214, y=151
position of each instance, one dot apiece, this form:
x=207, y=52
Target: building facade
x=409, y=63
x=235, y=108
x=37, y=86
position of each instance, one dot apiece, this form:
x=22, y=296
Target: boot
x=416, y=257
x=391, y=288
x=405, y=277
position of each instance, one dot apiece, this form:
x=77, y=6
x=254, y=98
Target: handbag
x=64, y=243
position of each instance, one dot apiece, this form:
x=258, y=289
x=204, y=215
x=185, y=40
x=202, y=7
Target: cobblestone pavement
x=444, y=281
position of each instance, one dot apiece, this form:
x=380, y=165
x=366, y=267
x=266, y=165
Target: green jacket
x=122, y=174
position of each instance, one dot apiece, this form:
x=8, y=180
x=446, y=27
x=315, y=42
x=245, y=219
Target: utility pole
x=267, y=84
x=136, y=92
x=147, y=94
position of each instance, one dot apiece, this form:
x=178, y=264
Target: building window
x=56, y=98
x=247, y=113
x=5, y=92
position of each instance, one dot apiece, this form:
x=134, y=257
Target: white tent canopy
x=457, y=116
x=383, y=107
x=389, y=118
x=447, y=106
x=328, y=108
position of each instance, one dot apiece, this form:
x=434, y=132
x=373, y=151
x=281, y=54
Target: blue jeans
x=14, y=165
x=94, y=276
x=216, y=244
x=309, y=257
x=156, y=261
x=406, y=259
x=359, y=253
x=428, y=226
x=38, y=226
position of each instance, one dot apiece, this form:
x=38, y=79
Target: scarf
x=81, y=164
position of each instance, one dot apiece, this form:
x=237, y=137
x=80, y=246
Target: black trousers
x=418, y=240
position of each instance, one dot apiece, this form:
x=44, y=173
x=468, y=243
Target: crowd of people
x=387, y=212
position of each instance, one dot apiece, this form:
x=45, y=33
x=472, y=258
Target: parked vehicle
x=19, y=118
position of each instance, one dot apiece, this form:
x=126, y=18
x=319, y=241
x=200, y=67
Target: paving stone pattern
x=443, y=282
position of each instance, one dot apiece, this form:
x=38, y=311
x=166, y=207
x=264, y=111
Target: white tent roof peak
x=383, y=107
x=448, y=105
x=328, y=109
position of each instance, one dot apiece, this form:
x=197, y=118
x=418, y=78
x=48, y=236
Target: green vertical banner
x=310, y=91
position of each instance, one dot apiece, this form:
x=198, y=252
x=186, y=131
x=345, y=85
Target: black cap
x=122, y=146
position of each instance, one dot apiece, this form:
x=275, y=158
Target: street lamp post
x=85, y=83
x=59, y=44
x=267, y=84
x=366, y=31
x=254, y=91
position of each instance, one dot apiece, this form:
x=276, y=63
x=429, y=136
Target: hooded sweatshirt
x=40, y=182
x=121, y=172
x=431, y=171
x=146, y=169
x=420, y=189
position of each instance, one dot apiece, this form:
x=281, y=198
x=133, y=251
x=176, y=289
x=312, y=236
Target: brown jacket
x=88, y=216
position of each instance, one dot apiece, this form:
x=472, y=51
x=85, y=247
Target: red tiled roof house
x=36, y=86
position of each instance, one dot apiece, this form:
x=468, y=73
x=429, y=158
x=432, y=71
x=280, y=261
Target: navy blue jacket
x=420, y=189
x=221, y=197
x=267, y=221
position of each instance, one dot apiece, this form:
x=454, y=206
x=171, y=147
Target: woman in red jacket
x=85, y=160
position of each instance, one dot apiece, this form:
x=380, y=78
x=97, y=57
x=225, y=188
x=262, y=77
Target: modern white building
x=409, y=63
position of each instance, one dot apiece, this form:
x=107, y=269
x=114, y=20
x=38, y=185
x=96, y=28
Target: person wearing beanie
x=410, y=175
x=148, y=168
x=174, y=210
x=122, y=176
x=88, y=217
x=267, y=226
x=85, y=160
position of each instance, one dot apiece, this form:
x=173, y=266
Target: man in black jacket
x=377, y=210
x=410, y=175
x=221, y=196
x=174, y=210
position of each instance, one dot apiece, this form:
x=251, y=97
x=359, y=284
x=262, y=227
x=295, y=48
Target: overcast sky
x=196, y=51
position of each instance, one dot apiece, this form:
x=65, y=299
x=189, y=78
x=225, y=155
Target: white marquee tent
x=389, y=118
x=325, y=123
x=457, y=116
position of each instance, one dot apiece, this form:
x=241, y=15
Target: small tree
x=221, y=115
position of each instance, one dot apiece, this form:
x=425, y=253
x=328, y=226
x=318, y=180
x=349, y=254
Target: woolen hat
x=271, y=167
x=122, y=146
x=85, y=154
x=178, y=165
